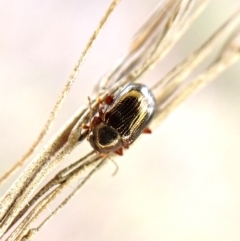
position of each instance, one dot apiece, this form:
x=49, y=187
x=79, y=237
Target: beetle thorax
x=104, y=138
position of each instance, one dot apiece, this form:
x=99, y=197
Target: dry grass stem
x=27, y=199
x=61, y=177
x=34, y=168
x=64, y=93
x=229, y=56
x=154, y=40
x=168, y=85
x=22, y=229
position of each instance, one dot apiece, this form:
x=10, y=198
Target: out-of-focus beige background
x=180, y=183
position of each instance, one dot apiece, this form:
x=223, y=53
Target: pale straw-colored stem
x=58, y=179
x=10, y=197
x=154, y=40
x=171, y=82
x=229, y=55
x=22, y=229
x=62, y=96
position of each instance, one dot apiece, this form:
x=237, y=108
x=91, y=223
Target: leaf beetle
x=122, y=119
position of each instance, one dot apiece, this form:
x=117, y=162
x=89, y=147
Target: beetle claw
x=147, y=131
x=119, y=151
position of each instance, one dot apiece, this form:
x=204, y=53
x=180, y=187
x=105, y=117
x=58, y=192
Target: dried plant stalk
x=168, y=85
x=22, y=230
x=228, y=56
x=154, y=40
x=52, y=148
x=151, y=44
x=64, y=93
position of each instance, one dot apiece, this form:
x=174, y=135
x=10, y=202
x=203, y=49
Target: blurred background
x=180, y=183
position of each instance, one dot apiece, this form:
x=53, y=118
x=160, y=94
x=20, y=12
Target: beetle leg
x=100, y=112
x=100, y=101
x=126, y=146
x=108, y=99
x=96, y=120
x=84, y=126
x=88, y=129
x=147, y=131
x=119, y=151
x=90, y=107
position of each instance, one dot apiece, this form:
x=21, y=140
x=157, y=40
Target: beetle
x=122, y=119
